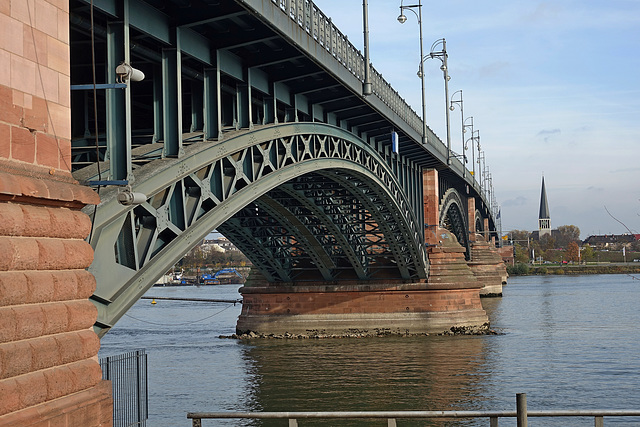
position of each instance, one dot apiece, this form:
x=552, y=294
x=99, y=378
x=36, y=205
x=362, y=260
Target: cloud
x=547, y=133
x=518, y=201
x=625, y=170
x=544, y=13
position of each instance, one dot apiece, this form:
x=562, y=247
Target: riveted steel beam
x=210, y=185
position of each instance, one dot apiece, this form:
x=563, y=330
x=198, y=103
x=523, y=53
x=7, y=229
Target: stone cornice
x=25, y=183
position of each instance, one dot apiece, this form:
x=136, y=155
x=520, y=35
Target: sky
x=553, y=88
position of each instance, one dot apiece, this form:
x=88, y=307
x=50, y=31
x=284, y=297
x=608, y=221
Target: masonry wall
x=49, y=372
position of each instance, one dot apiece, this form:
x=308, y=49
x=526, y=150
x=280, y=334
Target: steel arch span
x=304, y=201
x=454, y=219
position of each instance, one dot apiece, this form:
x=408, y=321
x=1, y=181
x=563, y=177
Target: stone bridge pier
x=450, y=296
x=485, y=260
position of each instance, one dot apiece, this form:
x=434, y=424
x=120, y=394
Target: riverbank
x=573, y=269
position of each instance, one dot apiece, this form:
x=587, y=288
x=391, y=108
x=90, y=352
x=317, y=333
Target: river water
x=568, y=342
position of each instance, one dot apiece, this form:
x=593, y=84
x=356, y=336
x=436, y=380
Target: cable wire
x=179, y=324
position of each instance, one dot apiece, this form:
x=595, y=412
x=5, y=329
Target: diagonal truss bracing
x=306, y=202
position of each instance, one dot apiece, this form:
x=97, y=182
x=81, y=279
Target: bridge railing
x=315, y=23
x=521, y=414
x=392, y=416
x=320, y=27
x=128, y=375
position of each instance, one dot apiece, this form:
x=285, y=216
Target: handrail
x=392, y=415
x=318, y=26
x=315, y=23
x=521, y=413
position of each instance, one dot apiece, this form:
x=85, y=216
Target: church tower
x=544, y=222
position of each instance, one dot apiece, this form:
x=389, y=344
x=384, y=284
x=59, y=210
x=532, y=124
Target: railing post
x=391, y=422
x=493, y=421
x=521, y=409
x=197, y=422
x=599, y=421
x=293, y=422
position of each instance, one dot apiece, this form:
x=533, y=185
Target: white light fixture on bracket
x=127, y=197
x=126, y=73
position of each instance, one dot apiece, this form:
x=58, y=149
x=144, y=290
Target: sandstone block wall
x=48, y=349
x=49, y=372
x=35, y=95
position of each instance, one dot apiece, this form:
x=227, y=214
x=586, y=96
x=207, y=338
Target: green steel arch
x=304, y=201
x=453, y=217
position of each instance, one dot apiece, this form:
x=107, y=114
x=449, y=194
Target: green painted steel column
x=242, y=106
x=172, y=102
x=249, y=97
x=269, y=110
x=128, y=170
x=115, y=103
x=211, y=104
x=197, y=108
x=158, y=117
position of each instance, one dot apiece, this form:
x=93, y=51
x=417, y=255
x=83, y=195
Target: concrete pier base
x=488, y=267
x=449, y=298
x=345, y=309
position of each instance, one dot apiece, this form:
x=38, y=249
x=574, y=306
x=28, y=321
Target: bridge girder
x=304, y=201
x=218, y=71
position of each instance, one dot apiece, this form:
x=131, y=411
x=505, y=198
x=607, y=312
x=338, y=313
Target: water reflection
x=372, y=374
x=568, y=342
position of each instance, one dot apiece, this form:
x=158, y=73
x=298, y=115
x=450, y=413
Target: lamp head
x=402, y=18
x=126, y=73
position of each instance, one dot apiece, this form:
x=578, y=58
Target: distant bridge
x=251, y=120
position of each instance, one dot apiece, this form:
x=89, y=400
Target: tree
x=573, y=252
x=522, y=253
x=520, y=236
x=567, y=234
x=547, y=242
x=552, y=255
x=588, y=254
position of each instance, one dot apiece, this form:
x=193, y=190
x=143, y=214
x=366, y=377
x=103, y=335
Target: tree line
x=562, y=245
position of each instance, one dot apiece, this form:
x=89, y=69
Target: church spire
x=544, y=221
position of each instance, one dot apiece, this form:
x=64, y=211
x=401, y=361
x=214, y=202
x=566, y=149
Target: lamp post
x=471, y=139
x=480, y=171
x=366, y=85
x=402, y=19
x=442, y=56
x=452, y=107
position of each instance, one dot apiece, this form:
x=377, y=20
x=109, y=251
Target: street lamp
x=402, y=19
x=442, y=56
x=480, y=171
x=471, y=139
x=366, y=85
x=453, y=103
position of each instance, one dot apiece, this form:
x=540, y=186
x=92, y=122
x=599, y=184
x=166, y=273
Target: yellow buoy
x=153, y=301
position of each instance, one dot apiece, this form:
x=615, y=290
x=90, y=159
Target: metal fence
x=128, y=375
x=521, y=414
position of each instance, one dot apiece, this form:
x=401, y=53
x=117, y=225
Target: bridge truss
x=305, y=202
x=251, y=120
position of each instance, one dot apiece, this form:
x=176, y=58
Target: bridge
x=248, y=116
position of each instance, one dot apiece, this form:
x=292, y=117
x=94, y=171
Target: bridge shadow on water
x=367, y=374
